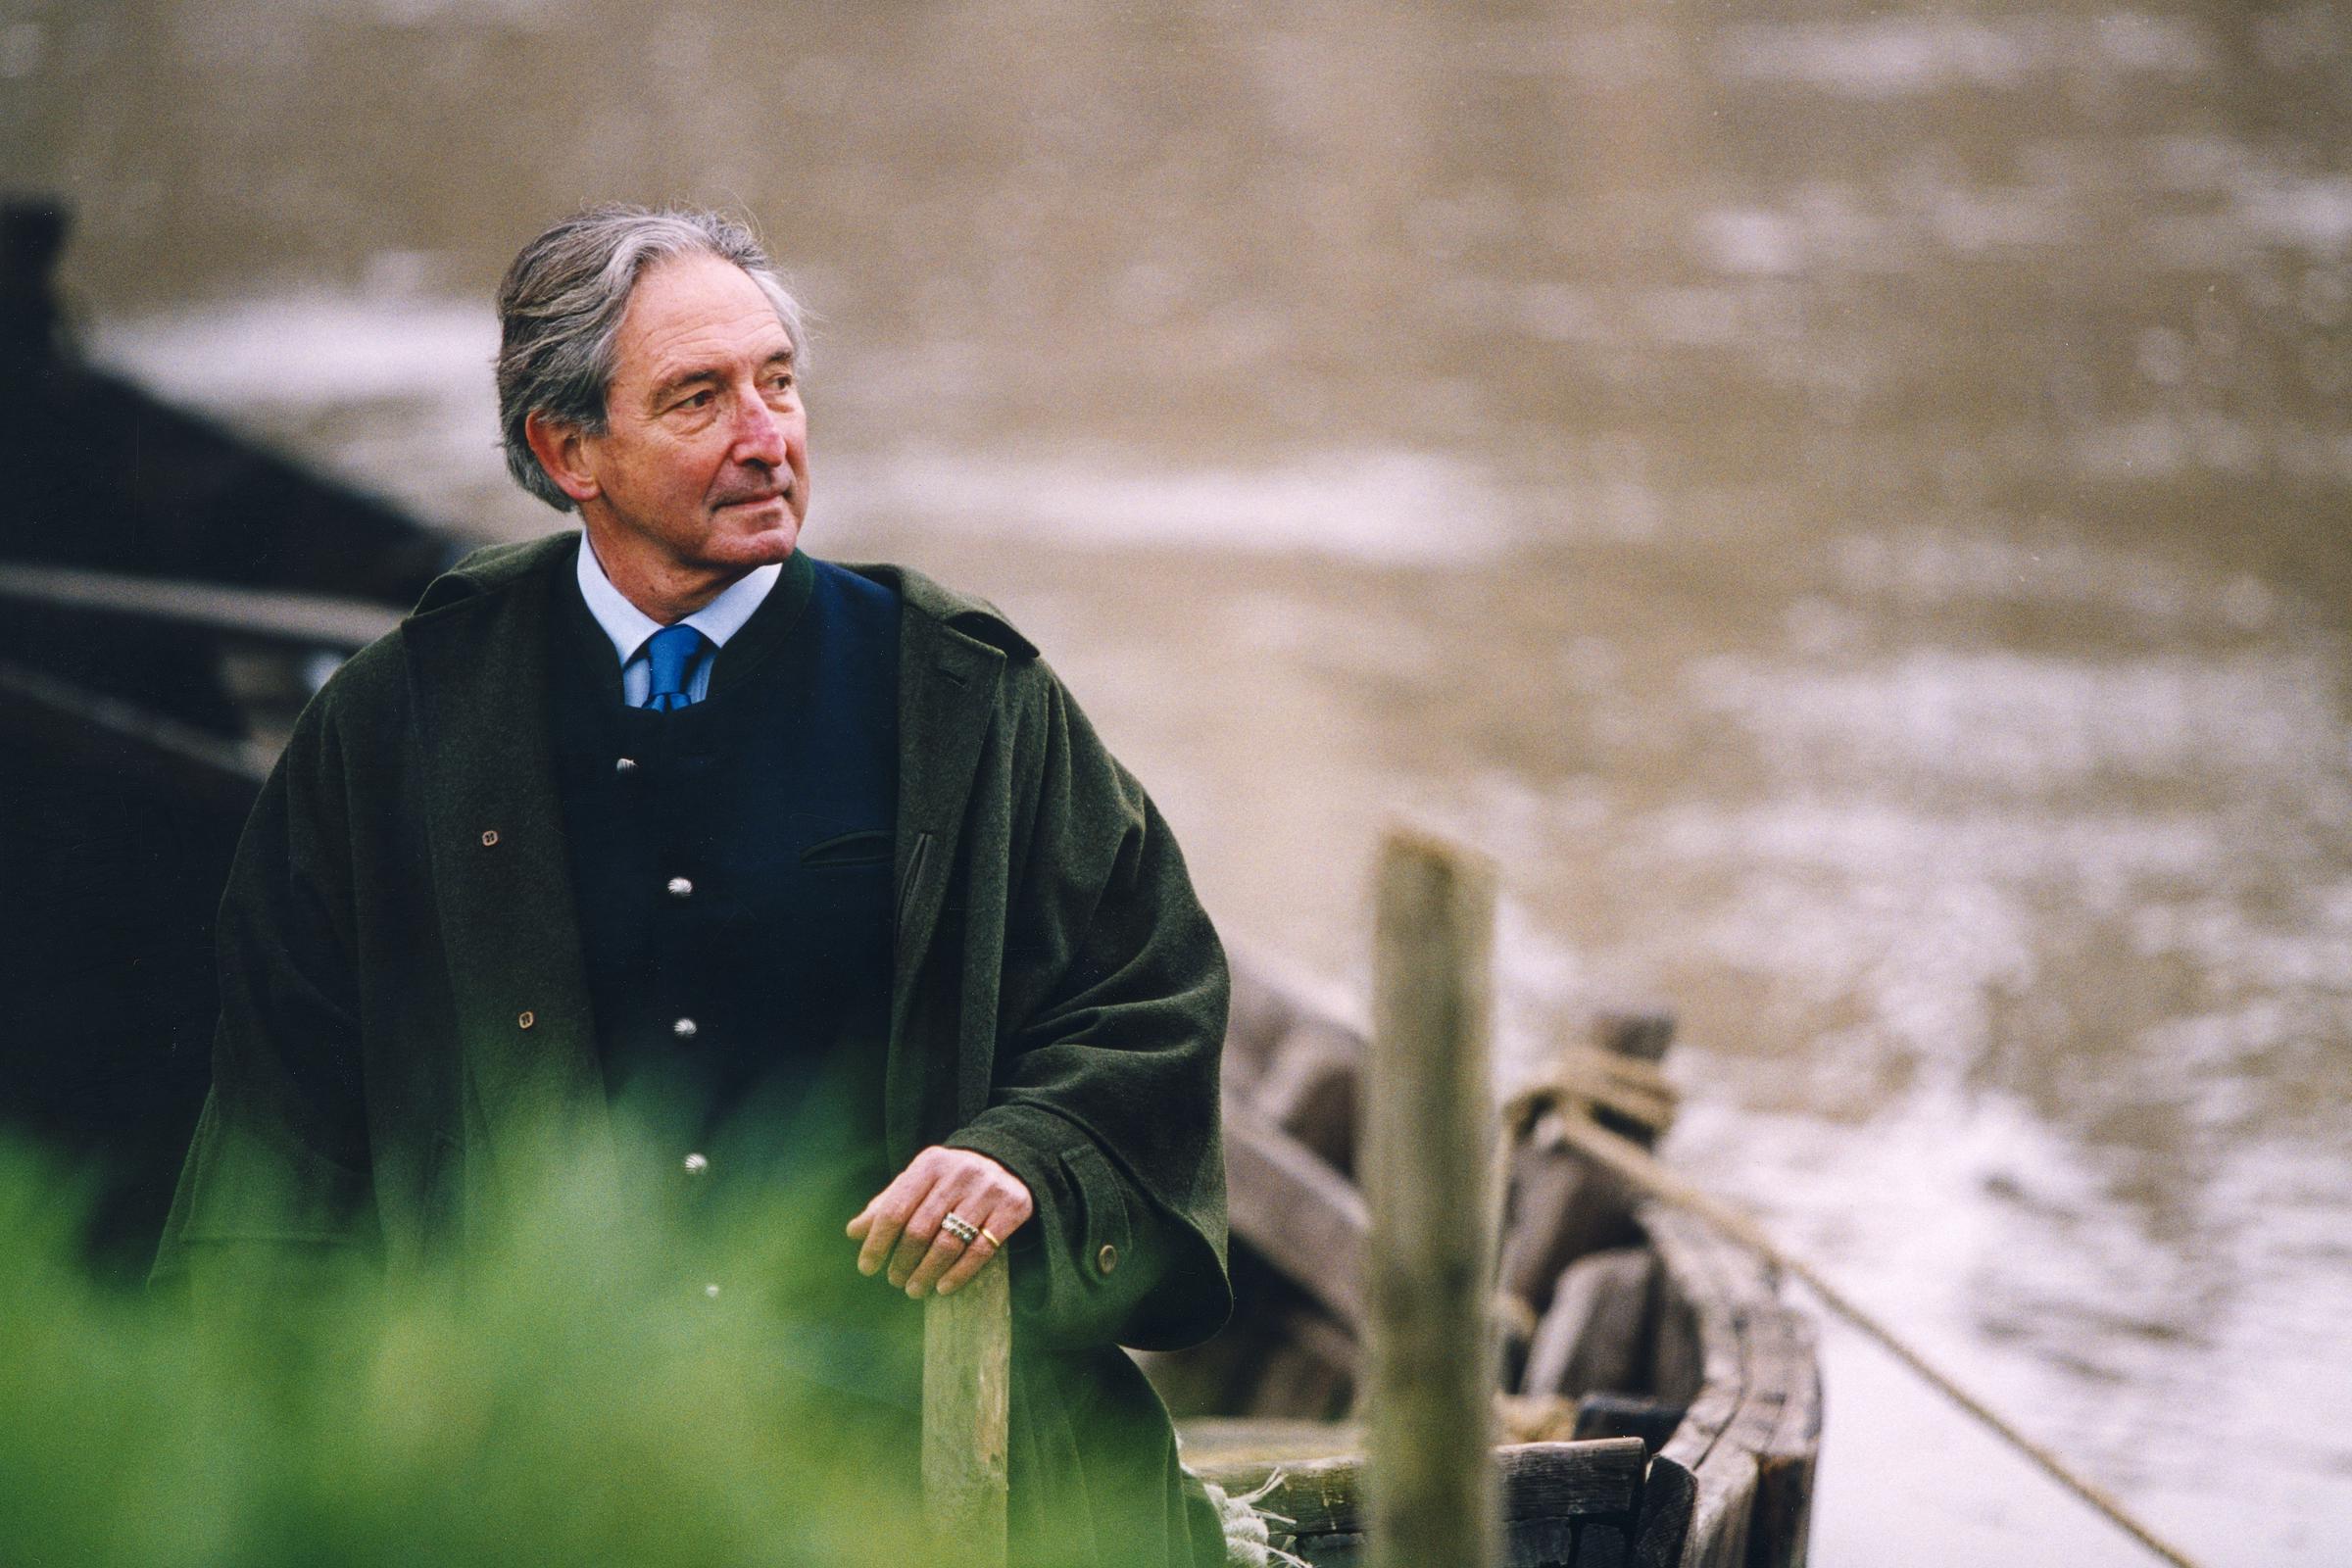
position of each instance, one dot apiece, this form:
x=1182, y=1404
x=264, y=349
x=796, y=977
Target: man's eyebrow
x=669, y=386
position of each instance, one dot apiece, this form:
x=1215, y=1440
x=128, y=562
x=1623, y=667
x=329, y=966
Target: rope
x=1637, y=1166
x=1586, y=1079
x=1248, y=1529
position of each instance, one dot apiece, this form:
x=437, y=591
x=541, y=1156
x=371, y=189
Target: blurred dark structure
x=161, y=612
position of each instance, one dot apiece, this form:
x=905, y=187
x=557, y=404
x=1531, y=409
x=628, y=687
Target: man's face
x=701, y=471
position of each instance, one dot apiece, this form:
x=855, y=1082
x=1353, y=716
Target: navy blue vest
x=732, y=864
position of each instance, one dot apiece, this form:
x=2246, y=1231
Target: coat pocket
x=916, y=857
x=850, y=849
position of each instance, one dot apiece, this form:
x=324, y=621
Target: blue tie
x=671, y=653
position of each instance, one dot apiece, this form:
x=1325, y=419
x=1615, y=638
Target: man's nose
x=759, y=433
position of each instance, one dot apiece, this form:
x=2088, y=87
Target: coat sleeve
x=277, y=1179
x=1113, y=1019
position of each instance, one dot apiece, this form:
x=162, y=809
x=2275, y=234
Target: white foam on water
x=1751, y=239
x=1380, y=506
x=2314, y=213
x=310, y=350
x=2011, y=721
x=1894, y=56
x=1921, y=569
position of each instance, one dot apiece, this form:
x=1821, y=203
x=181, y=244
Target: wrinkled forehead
x=693, y=314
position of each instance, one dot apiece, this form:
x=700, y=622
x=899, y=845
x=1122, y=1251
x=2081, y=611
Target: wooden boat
x=1661, y=1403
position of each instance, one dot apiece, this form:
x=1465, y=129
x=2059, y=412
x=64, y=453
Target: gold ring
x=992, y=1237
x=963, y=1230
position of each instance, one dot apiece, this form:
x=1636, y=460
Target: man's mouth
x=762, y=499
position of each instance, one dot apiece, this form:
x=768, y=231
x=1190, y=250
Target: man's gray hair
x=560, y=309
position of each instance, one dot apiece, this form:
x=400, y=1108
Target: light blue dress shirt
x=629, y=627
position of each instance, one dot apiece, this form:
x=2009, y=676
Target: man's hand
x=901, y=1227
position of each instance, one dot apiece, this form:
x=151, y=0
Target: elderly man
x=820, y=863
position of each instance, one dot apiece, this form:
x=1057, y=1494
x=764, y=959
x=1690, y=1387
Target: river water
x=1847, y=503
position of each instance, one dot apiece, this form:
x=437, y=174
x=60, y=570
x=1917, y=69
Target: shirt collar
x=628, y=627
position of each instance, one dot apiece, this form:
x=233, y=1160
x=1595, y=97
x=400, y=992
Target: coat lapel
x=502, y=878
x=947, y=697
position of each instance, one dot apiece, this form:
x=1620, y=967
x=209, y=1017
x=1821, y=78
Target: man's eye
x=695, y=400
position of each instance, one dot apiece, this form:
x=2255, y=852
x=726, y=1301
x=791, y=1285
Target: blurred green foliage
x=567, y=1392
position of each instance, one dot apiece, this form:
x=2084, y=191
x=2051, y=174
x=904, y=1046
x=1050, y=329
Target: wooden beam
x=71, y=724
x=322, y=621
x=1302, y=1216
x=1592, y=1336
x=967, y=1401
x=1430, y=1176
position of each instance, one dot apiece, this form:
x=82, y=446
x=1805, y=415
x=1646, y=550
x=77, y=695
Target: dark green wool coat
x=404, y=1005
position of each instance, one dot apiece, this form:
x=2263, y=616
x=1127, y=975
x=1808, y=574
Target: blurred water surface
x=1849, y=503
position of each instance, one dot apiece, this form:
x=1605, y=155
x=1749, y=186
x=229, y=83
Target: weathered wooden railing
x=1430, y=1181
x=967, y=1393
x=69, y=722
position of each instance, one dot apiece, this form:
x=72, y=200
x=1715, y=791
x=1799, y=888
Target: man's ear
x=562, y=451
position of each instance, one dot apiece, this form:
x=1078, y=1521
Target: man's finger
x=1007, y=1217
x=889, y=1212
x=945, y=1250
x=923, y=1235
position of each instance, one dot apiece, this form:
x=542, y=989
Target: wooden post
x=967, y=1388
x=1430, y=1179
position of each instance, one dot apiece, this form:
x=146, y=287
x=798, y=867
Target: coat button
x=624, y=765
x=710, y=1291
x=525, y=1018
x=680, y=888
x=696, y=1164
x=490, y=838
x=1107, y=1259
x=684, y=1029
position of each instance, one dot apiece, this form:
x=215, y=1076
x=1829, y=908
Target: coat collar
x=478, y=648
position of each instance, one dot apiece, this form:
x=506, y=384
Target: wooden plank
x=1696, y=1359
x=1626, y=1415
x=967, y=1395
x=1532, y=1480
x=1429, y=1179
x=1260, y=1012
x=1278, y=1334
x=1597, y=1545
x=1669, y=1491
x=324, y=620
x=1310, y=1089
x=1719, y=1517
x=1788, y=1457
x=1562, y=1205
x=74, y=725
x=1750, y=1355
x=1699, y=1358
x=1303, y=1218
x=1295, y=1378
x=1594, y=1337
x=1229, y=1444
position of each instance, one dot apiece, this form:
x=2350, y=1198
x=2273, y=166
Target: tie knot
x=671, y=652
